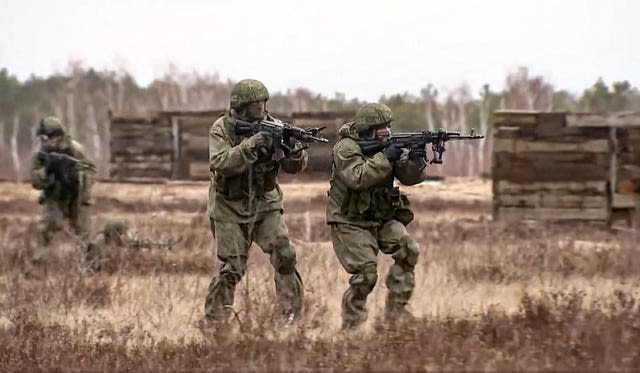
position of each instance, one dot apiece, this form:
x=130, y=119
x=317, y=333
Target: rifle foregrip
x=244, y=128
x=371, y=147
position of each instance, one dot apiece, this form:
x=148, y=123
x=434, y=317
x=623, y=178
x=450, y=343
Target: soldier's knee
x=233, y=270
x=365, y=280
x=286, y=261
x=407, y=255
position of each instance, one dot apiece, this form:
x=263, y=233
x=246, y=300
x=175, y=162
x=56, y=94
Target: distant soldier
x=367, y=214
x=115, y=234
x=61, y=170
x=245, y=203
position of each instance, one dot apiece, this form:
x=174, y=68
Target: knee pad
x=366, y=279
x=233, y=270
x=407, y=255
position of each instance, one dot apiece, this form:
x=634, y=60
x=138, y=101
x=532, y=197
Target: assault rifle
x=62, y=166
x=282, y=133
x=417, y=140
x=137, y=243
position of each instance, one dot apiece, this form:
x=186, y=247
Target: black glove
x=392, y=152
x=419, y=157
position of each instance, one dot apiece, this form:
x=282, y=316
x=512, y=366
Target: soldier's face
x=255, y=110
x=383, y=131
x=50, y=142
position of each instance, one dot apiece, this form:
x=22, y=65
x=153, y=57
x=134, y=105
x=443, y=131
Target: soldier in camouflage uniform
x=112, y=235
x=115, y=235
x=245, y=203
x=66, y=193
x=367, y=214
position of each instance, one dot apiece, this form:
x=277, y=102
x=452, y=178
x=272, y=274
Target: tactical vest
x=378, y=202
x=258, y=179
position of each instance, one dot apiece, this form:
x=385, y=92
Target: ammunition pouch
x=263, y=180
x=403, y=212
x=376, y=203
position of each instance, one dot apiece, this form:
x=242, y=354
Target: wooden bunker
x=564, y=166
x=174, y=144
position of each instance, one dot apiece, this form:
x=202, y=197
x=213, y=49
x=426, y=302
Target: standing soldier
x=61, y=170
x=245, y=203
x=367, y=214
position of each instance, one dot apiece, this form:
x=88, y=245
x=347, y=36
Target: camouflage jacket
x=244, y=182
x=55, y=190
x=361, y=191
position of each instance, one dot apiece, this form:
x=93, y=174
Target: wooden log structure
x=563, y=166
x=141, y=147
x=174, y=144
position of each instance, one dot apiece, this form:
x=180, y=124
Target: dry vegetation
x=488, y=296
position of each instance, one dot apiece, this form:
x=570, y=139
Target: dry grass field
x=488, y=296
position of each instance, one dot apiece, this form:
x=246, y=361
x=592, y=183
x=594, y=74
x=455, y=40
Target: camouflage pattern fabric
x=245, y=206
x=369, y=116
x=62, y=202
x=246, y=91
x=365, y=219
x=357, y=249
x=233, y=241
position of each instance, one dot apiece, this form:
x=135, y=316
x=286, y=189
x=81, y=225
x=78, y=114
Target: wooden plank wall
x=546, y=170
x=174, y=144
x=193, y=162
x=320, y=154
x=141, y=147
x=624, y=179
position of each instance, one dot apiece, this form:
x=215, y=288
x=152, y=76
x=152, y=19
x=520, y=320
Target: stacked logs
x=175, y=145
x=320, y=154
x=546, y=170
x=194, y=143
x=624, y=130
x=141, y=147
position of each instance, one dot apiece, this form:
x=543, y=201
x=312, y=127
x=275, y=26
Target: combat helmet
x=370, y=116
x=246, y=91
x=50, y=126
x=114, y=227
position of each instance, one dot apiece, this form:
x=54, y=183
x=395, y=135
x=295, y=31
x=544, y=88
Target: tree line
x=82, y=96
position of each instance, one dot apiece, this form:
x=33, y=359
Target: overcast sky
x=360, y=48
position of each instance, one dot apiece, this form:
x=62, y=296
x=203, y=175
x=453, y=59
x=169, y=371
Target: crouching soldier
x=245, y=203
x=367, y=214
x=62, y=171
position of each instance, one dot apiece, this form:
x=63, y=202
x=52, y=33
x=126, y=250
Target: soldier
x=61, y=170
x=367, y=214
x=112, y=235
x=115, y=235
x=245, y=203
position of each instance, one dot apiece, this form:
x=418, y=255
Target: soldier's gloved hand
x=392, y=152
x=419, y=157
x=294, y=148
x=262, y=139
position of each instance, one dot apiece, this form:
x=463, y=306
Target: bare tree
x=527, y=93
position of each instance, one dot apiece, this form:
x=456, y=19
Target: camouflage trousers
x=357, y=249
x=233, y=241
x=54, y=214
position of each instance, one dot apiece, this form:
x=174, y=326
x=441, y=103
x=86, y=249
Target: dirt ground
x=488, y=296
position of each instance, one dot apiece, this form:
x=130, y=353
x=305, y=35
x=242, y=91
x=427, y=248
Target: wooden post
x=176, y=158
x=613, y=169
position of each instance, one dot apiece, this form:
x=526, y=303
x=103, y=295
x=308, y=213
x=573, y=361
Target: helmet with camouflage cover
x=114, y=227
x=246, y=91
x=370, y=116
x=50, y=126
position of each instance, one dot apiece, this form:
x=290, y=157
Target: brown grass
x=487, y=297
